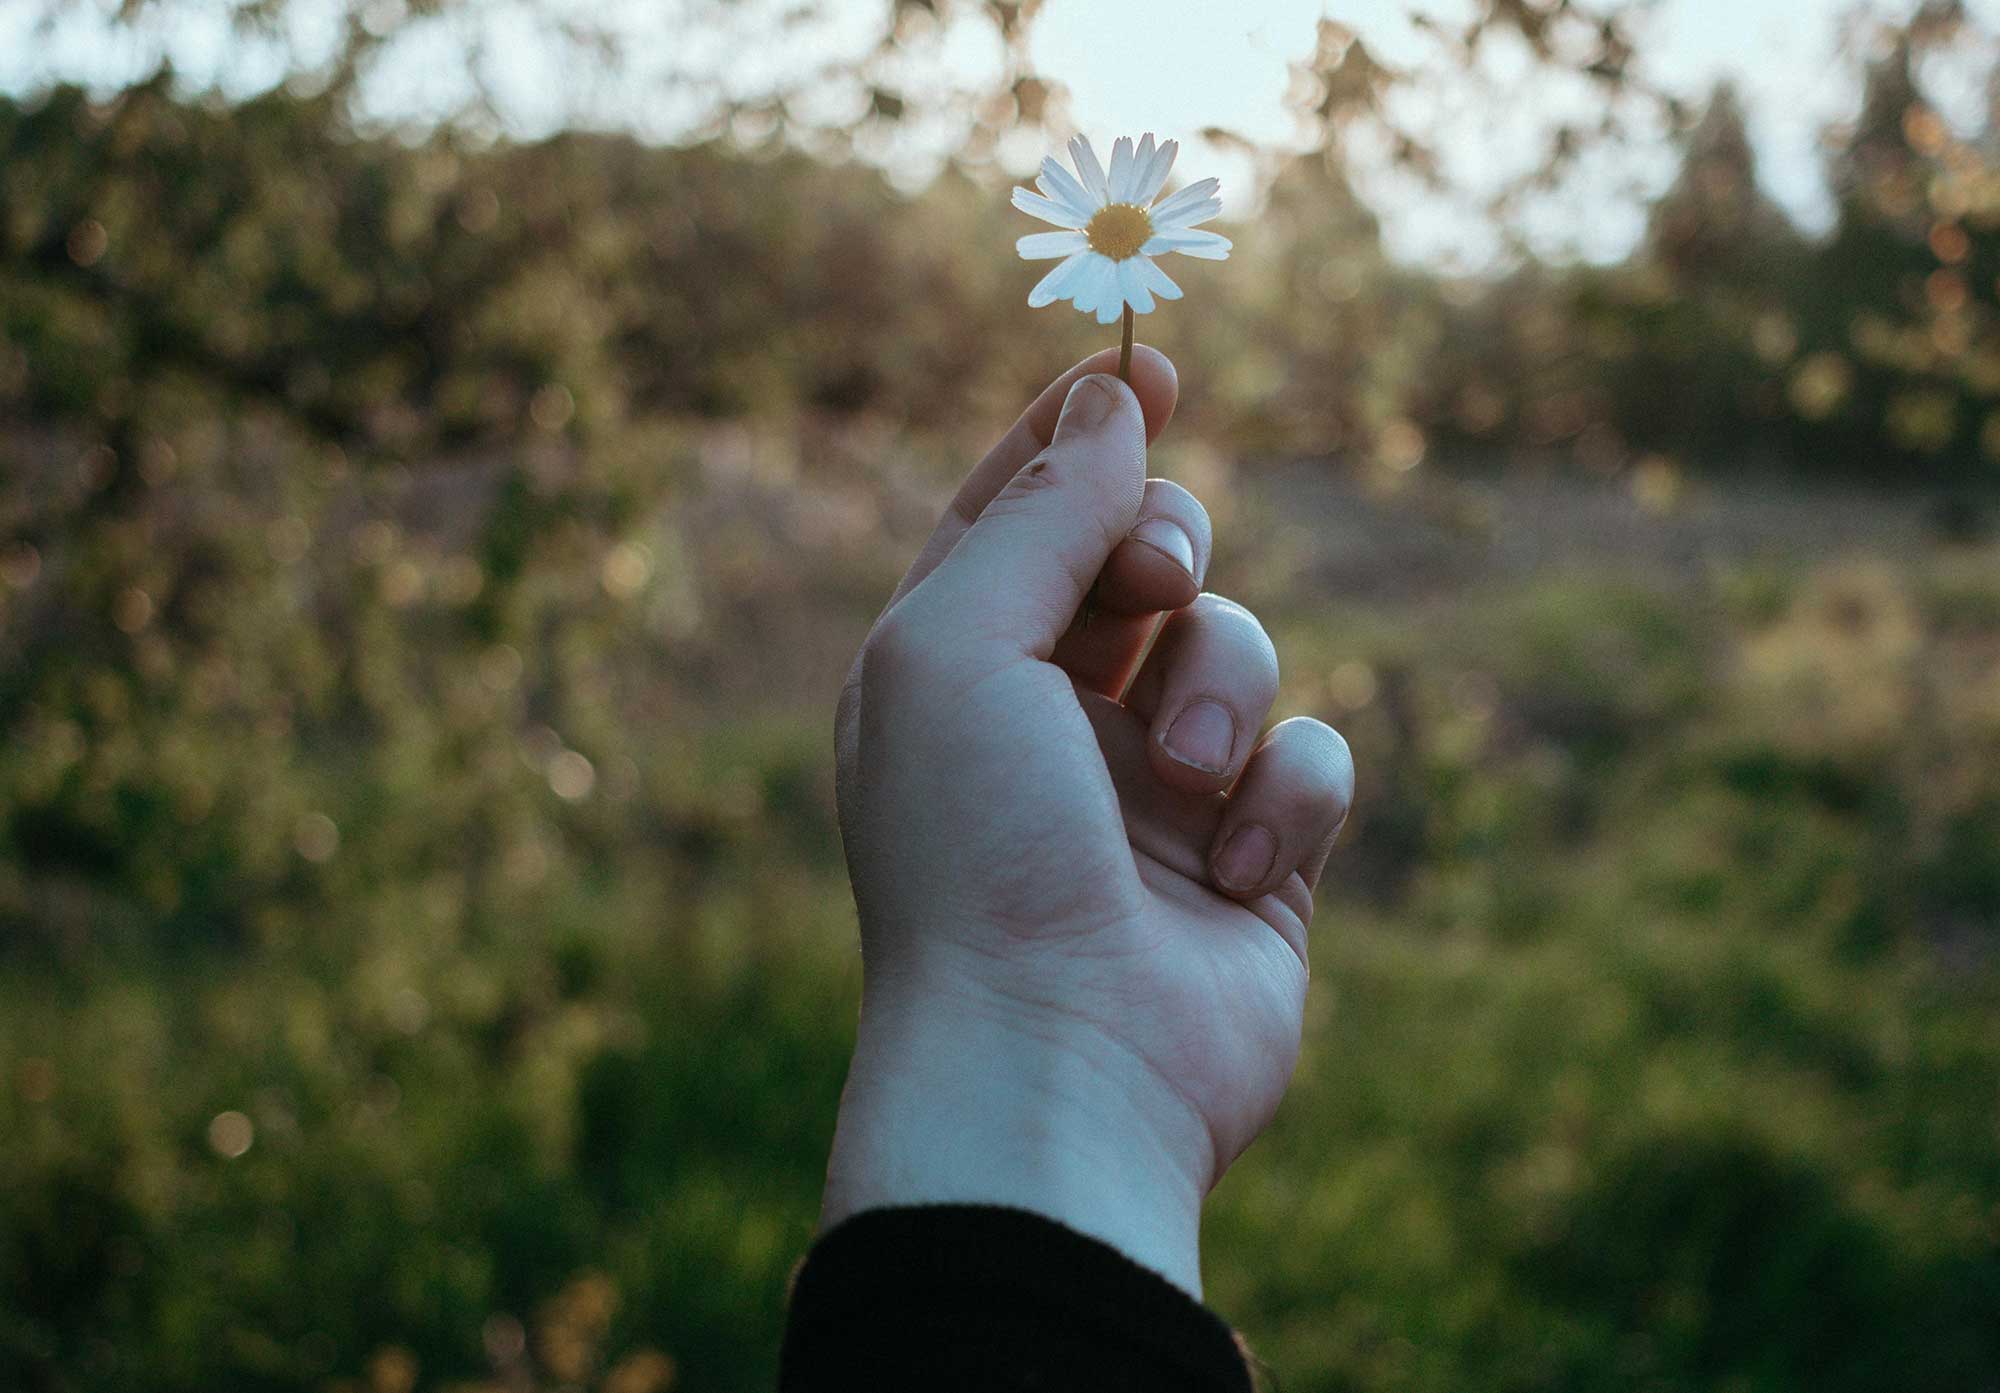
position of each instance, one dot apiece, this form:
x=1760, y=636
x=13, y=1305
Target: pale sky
x=1170, y=66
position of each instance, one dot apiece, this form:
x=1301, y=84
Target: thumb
x=1021, y=572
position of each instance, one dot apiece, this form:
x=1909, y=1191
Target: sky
x=1226, y=65
x=1174, y=67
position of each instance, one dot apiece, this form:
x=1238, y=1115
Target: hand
x=1083, y=907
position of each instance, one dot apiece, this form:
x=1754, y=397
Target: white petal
x=1095, y=279
x=1197, y=192
x=1054, y=194
x=1142, y=160
x=1041, y=246
x=1083, y=280
x=1188, y=217
x=1132, y=286
x=1155, y=173
x=1057, y=283
x=1208, y=246
x=1047, y=209
x=1119, y=180
x=1112, y=305
x=1076, y=286
x=1089, y=170
x=1059, y=184
x=1157, y=281
x=1097, y=283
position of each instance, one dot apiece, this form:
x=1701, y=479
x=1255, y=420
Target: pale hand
x=1083, y=890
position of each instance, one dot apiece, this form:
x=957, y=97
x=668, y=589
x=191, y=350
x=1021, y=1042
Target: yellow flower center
x=1118, y=230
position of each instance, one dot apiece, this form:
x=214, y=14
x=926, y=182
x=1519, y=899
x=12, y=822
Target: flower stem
x=1125, y=349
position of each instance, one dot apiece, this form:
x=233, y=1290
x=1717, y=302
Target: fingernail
x=1202, y=736
x=1245, y=859
x=1168, y=537
x=1088, y=405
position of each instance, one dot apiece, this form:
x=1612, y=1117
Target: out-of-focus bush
x=425, y=569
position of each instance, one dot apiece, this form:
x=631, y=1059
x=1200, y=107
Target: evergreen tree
x=1693, y=332
x=1900, y=311
x=1715, y=227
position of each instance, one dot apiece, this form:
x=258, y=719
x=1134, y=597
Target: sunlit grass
x=1649, y=1015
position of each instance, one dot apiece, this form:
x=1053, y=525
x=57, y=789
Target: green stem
x=1125, y=349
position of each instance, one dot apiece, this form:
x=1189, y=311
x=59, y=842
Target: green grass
x=426, y=574
x=1653, y=1039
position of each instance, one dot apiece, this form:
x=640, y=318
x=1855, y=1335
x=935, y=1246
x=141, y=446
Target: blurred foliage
x=425, y=570
x=1729, y=338
x=402, y=299
x=852, y=71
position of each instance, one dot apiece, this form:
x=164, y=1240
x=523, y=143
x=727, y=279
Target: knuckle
x=1322, y=763
x=1215, y=642
x=1329, y=804
x=1342, y=755
x=847, y=710
x=1317, y=736
x=1316, y=807
x=1167, y=499
x=1228, y=616
x=1255, y=654
x=1260, y=636
x=895, y=647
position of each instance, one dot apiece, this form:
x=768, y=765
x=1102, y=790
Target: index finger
x=1153, y=382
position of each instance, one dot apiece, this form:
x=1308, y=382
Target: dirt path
x=1439, y=535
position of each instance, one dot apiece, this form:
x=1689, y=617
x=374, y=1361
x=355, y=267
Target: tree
x=1715, y=226
x=1900, y=314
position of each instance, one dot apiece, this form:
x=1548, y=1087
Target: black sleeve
x=983, y=1298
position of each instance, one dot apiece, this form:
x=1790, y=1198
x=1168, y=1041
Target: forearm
x=950, y=1101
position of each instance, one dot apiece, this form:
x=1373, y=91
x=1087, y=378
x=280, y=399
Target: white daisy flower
x=1112, y=229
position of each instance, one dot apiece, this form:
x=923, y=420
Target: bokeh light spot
x=626, y=568
x=552, y=407
x=1946, y=291
x=571, y=776
x=500, y=666
x=393, y=1369
x=132, y=611
x=402, y=583
x=88, y=242
x=505, y=1338
x=20, y=564
x=1401, y=445
x=230, y=1134
x=1351, y=685
x=1820, y=385
x=1949, y=243
x=316, y=838
x=1656, y=483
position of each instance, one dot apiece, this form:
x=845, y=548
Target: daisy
x=1112, y=229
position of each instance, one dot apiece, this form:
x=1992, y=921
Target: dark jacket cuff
x=982, y=1297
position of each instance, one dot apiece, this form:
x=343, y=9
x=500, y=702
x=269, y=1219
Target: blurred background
x=449, y=450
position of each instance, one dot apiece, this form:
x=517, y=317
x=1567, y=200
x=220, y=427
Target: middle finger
x=1204, y=691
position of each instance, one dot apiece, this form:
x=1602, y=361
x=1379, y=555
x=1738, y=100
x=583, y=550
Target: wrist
x=964, y=1097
